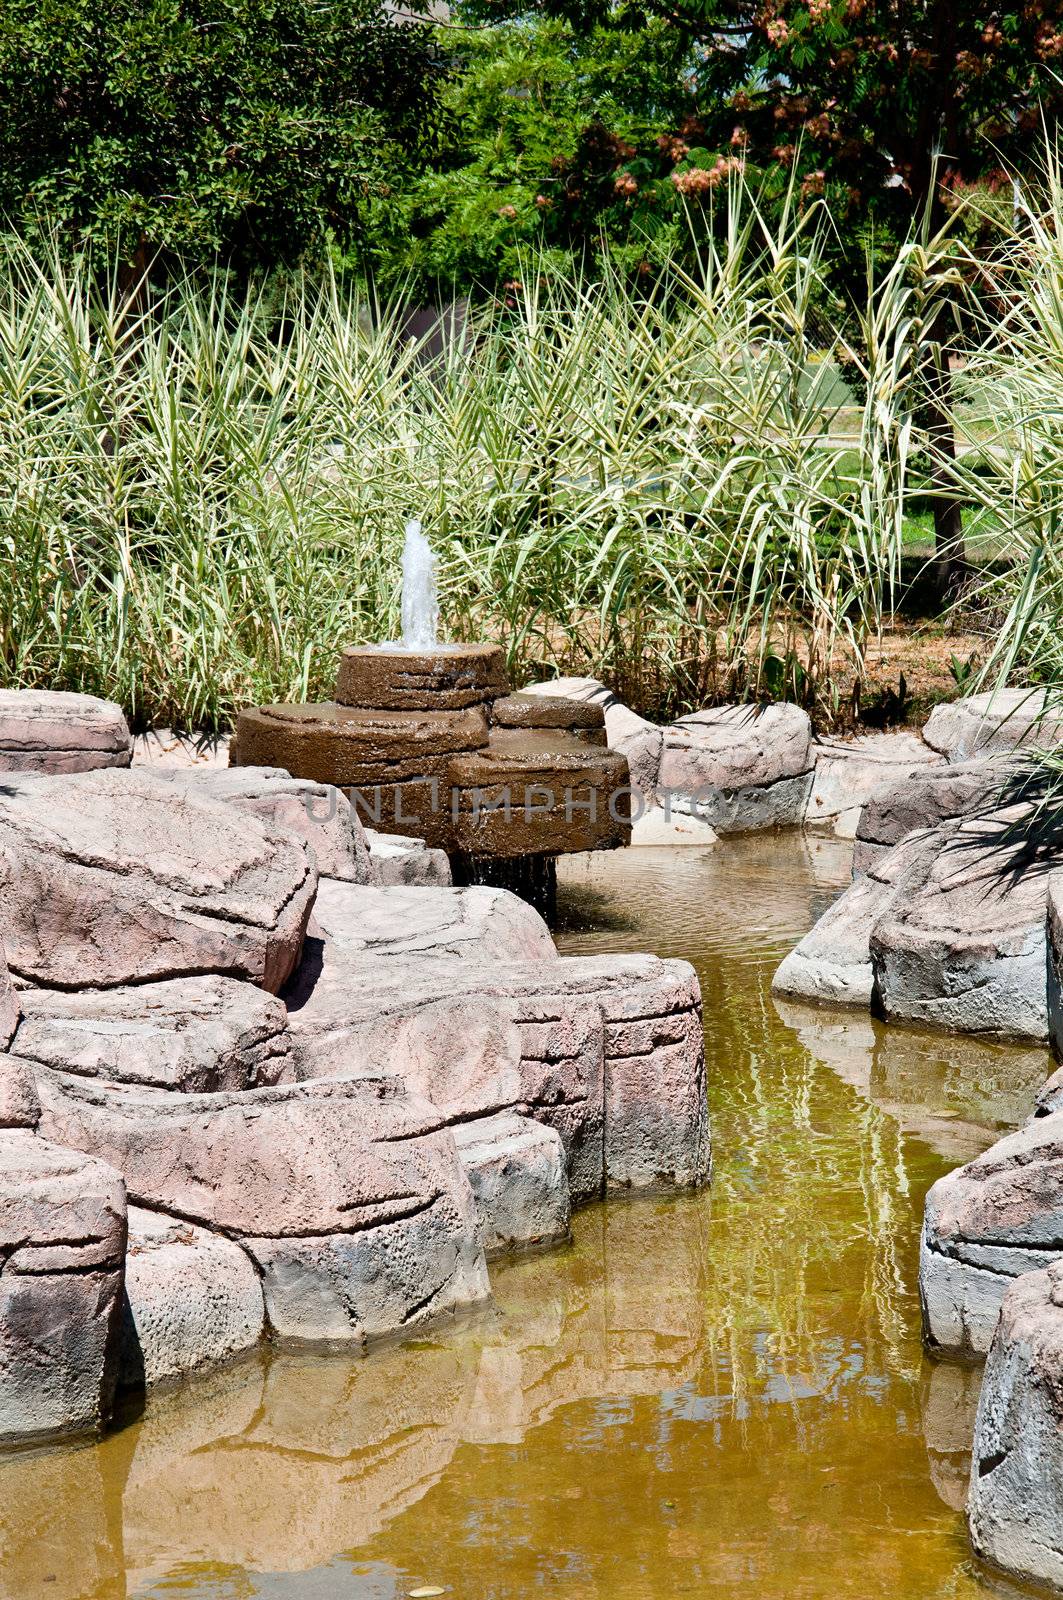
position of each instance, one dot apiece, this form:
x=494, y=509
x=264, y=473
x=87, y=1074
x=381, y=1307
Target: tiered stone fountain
x=429, y=741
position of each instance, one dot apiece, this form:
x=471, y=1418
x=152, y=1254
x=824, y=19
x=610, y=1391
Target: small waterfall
x=420, y=595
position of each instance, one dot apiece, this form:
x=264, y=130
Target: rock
x=347, y=1196
x=317, y=813
x=583, y=718
x=49, y=731
x=62, y=1241
x=19, y=1105
x=191, y=1298
x=642, y=1076
x=116, y=877
x=586, y=689
x=10, y=1007
x=848, y=772
x=964, y=946
x=832, y=963
x=640, y=741
x=658, y=826
x=984, y=1224
x=199, y=1035
x=519, y=1178
x=988, y=724
x=922, y=800
x=391, y=678
x=1016, y=1484
x=400, y=862
x=947, y=929
x=487, y=924
x=739, y=768
x=163, y=750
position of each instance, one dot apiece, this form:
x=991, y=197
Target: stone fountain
x=429, y=741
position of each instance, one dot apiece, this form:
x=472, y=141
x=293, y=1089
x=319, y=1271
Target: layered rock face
x=994, y=723
x=44, y=730
x=1016, y=1485
x=115, y=877
x=327, y=1100
x=62, y=1247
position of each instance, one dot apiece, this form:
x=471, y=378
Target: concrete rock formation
x=62, y=1252
x=986, y=1223
x=117, y=877
x=849, y=773
x=922, y=799
x=1016, y=1483
x=946, y=929
x=328, y=1099
x=43, y=730
x=994, y=723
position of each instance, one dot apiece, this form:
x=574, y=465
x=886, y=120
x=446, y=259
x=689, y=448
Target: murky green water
x=720, y=1396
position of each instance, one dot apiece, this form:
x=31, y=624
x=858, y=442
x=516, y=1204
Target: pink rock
x=317, y=813
x=347, y=1194
x=613, y=1044
x=10, y=1009
x=200, y=1035
x=19, y=1105
x=62, y=1241
x=48, y=731
x=116, y=877
x=481, y=923
x=192, y=1299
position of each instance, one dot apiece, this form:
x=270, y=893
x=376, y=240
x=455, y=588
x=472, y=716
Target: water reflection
x=725, y=1394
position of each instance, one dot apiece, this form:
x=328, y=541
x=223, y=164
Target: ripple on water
x=723, y=1395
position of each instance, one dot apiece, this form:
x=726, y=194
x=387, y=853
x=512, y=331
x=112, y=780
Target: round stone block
x=386, y=678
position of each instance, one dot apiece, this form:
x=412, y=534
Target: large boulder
x=62, y=1243
x=739, y=767
x=946, y=929
x=993, y=723
x=347, y=1195
x=43, y=730
x=192, y=1298
x=832, y=963
x=481, y=923
x=1016, y=1483
x=984, y=1224
x=848, y=772
x=964, y=946
x=580, y=1043
x=922, y=800
x=316, y=812
x=199, y=1035
x=116, y=877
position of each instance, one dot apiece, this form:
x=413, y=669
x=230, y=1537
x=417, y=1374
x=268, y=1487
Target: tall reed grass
x=203, y=492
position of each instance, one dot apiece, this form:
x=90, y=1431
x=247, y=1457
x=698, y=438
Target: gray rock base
x=519, y=1178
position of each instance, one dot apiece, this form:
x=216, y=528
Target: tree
x=245, y=129
x=889, y=108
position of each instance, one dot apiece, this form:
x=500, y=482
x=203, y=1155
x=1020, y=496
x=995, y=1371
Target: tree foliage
x=249, y=129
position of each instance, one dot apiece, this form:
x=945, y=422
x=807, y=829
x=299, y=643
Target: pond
x=721, y=1395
